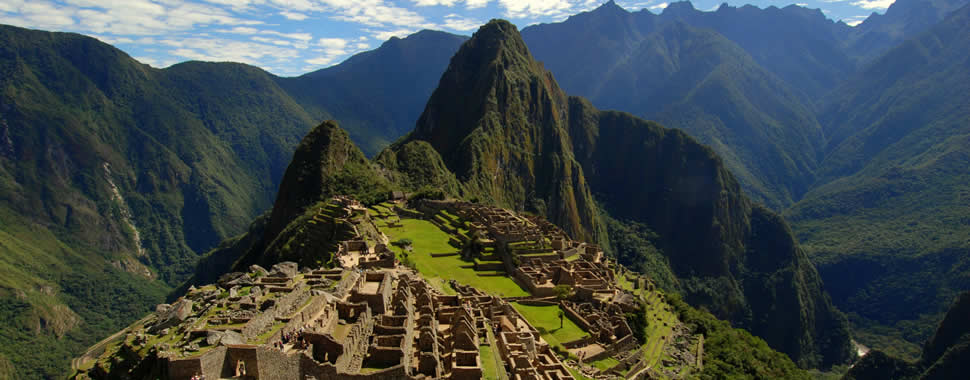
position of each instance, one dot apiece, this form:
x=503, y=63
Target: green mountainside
x=116, y=176
x=946, y=354
x=799, y=45
x=377, y=95
x=738, y=260
x=665, y=69
x=871, y=171
x=891, y=208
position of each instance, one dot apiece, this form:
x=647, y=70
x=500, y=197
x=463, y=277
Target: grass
x=577, y=375
x=489, y=370
x=657, y=316
x=605, y=363
x=427, y=239
x=546, y=320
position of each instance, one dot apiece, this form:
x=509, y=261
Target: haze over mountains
x=114, y=172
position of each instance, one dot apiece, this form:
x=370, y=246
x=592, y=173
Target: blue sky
x=292, y=37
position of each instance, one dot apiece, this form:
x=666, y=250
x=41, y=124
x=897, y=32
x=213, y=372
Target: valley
x=759, y=177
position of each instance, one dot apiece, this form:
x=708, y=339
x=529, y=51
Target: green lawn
x=489, y=371
x=546, y=318
x=428, y=239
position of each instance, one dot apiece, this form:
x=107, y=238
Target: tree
x=563, y=292
x=403, y=243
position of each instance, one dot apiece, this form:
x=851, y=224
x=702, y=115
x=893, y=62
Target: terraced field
x=428, y=239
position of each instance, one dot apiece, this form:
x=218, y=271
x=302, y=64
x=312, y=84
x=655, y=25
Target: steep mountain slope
x=892, y=203
x=109, y=166
x=738, y=260
x=903, y=20
x=660, y=68
x=112, y=172
x=945, y=355
x=379, y=94
x=797, y=44
x=497, y=121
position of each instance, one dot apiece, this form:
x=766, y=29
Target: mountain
x=945, y=355
x=116, y=176
x=666, y=69
x=800, y=45
x=891, y=203
x=517, y=140
x=377, y=95
x=497, y=121
x=903, y=20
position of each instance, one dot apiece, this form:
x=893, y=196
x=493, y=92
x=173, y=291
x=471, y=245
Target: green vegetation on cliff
x=888, y=224
x=515, y=140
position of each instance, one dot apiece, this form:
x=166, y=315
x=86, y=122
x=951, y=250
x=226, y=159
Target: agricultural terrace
x=660, y=321
x=546, y=320
x=428, y=239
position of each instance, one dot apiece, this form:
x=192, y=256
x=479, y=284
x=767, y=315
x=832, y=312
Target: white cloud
x=459, y=23
x=536, y=8
x=475, y=4
x=873, y=4
x=470, y=4
x=428, y=3
x=222, y=50
x=333, y=43
x=320, y=61
x=37, y=14
x=854, y=20
x=294, y=16
x=660, y=6
x=245, y=30
x=131, y=17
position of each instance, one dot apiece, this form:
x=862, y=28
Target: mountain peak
x=494, y=55
x=609, y=7
x=679, y=8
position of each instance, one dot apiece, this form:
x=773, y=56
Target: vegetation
x=734, y=353
x=890, y=208
x=546, y=320
x=427, y=239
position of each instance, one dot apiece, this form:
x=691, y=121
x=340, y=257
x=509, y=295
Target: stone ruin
x=369, y=319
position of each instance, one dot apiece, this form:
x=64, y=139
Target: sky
x=293, y=37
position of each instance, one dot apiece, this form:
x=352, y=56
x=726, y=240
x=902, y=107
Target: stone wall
x=346, y=284
x=184, y=369
x=209, y=364
x=275, y=365
x=213, y=362
x=290, y=302
x=259, y=325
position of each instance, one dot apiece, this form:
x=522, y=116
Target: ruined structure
x=368, y=318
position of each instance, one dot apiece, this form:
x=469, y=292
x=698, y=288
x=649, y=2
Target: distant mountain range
x=114, y=172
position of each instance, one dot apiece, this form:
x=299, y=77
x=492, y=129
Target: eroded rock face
x=260, y=271
x=228, y=280
x=285, y=269
x=173, y=315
